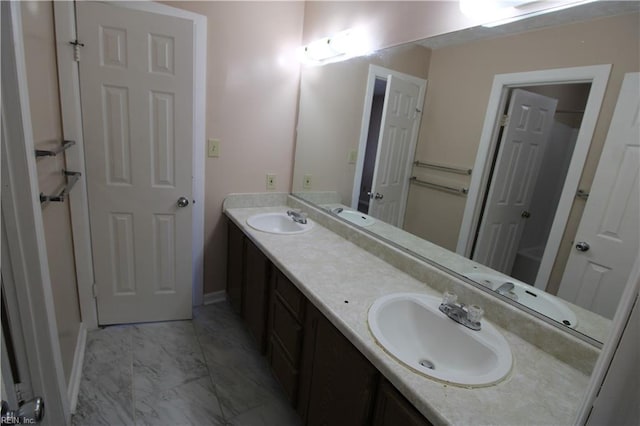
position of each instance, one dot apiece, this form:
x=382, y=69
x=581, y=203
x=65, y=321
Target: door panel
x=136, y=76
x=595, y=279
x=398, y=135
x=518, y=162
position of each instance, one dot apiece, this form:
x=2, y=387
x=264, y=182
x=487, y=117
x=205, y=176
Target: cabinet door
x=254, y=293
x=340, y=387
x=235, y=265
x=393, y=409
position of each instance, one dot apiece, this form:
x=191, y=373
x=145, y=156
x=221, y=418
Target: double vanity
x=357, y=332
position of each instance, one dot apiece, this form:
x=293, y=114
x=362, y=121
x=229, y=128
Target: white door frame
x=22, y=221
x=610, y=347
x=375, y=72
x=598, y=76
x=69, y=83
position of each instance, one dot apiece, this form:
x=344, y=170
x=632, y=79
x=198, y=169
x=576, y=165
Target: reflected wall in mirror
x=460, y=78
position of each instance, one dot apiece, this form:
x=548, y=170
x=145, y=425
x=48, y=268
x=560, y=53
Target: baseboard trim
x=215, y=297
x=76, y=371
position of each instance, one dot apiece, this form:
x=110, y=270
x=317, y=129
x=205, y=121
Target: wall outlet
x=271, y=182
x=306, y=182
x=213, y=148
x=353, y=156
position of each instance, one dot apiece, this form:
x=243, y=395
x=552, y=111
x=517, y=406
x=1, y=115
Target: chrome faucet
x=469, y=316
x=506, y=290
x=297, y=216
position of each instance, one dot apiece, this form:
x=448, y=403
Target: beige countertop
x=589, y=323
x=330, y=271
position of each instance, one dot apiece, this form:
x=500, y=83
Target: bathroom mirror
x=333, y=155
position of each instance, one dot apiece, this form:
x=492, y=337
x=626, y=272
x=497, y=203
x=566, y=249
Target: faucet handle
x=449, y=298
x=474, y=313
x=292, y=212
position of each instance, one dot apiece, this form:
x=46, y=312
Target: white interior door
x=15, y=370
x=136, y=75
x=396, y=147
x=607, y=240
x=525, y=136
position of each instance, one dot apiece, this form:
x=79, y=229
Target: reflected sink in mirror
x=357, y=218
x=278, y=223
x=527, y=295
x=410, y=327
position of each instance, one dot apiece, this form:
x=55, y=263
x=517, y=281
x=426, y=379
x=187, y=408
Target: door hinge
x=94, y=289
x=504, y=120
x=76, y=49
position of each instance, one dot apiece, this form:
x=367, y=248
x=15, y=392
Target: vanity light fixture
x=562, y=6
x=490, y=10
x=341, y=46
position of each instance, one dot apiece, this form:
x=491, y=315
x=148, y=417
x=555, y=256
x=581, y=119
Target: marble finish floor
x=207, y=371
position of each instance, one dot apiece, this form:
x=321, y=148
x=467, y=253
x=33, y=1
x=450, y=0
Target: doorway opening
x=505, y=85
x=371, y=151
x=388, y=137
x=526, y=179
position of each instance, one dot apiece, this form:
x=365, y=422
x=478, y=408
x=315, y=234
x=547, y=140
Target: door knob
x=582, y=246
x=183, y=202
x=29, y=412
x=525, y=214
x=377, y=195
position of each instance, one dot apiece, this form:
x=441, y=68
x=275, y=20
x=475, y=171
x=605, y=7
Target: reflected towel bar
x=55, y=151
x=450, y=169
x=440, y=187
x=71, y=178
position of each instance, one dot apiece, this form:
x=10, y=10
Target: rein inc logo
x=11, y=419
x=29, y=413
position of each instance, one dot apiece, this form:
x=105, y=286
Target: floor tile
x=105, y=395
x=275, y=412
x=165, y=355
x=191, y=403
x=207, y=371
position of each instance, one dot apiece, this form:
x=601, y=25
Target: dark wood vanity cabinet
x=255, y=293
x=337, y=383
x=235, y=265
x=324, y=375
x=286, y=317
x=248, y=274
x=393, y=409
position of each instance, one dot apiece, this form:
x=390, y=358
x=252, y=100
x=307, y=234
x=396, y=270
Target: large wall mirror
x=478, y=150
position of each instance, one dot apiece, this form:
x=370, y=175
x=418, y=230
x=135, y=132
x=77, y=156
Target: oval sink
x=356, y=218
x=529, y=296
x=410, y=327
x=278, y=223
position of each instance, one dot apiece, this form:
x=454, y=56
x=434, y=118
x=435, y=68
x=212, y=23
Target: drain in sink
x=427, y=364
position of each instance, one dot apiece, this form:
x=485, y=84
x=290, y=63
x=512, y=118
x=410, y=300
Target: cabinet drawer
x=286, y=330
x=286, y=373
x=290, y=295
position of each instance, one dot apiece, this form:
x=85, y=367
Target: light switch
x=353, y=156
x=213, y=148
x=306, y=182
x=271, y=182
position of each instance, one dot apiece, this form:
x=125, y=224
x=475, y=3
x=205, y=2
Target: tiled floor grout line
x=206, y=363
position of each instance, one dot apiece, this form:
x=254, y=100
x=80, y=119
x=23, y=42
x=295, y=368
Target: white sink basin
x=529, y=296
x=278, y=223
x=410, y=327
x=356, y=218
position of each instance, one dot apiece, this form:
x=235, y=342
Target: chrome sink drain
x=427, y=364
